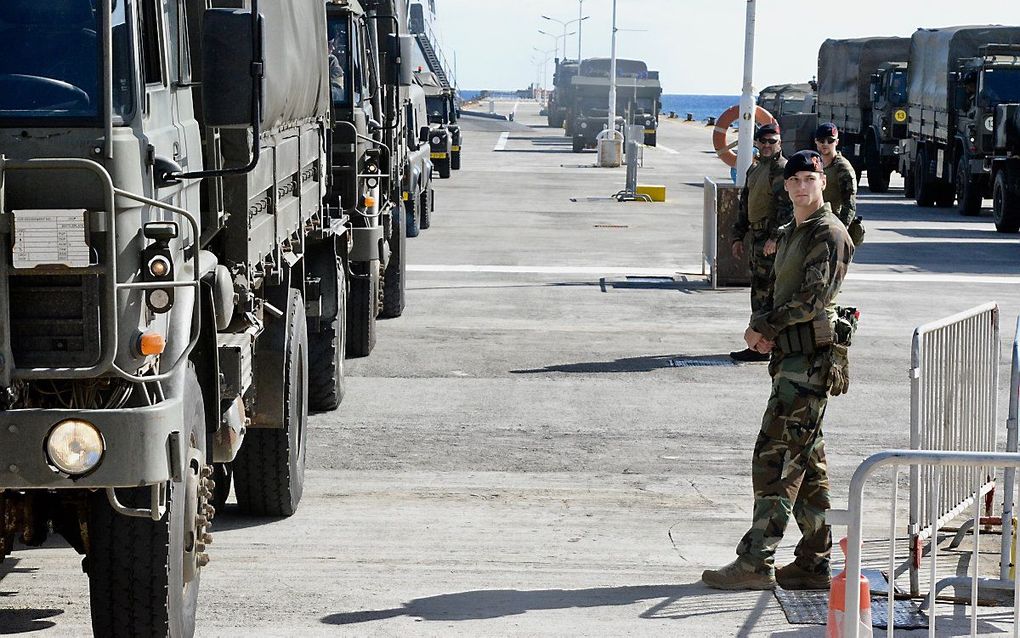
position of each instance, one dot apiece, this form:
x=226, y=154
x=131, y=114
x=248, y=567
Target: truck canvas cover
x=845, y=68
x=935, y=53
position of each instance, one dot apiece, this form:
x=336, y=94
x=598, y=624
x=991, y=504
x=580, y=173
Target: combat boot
x=793, y=576
x=747, y=356
x=740, y=575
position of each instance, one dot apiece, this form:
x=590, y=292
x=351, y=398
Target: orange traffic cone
x=837, y=605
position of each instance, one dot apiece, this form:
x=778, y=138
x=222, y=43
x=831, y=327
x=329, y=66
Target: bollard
x=837, y=605
x=690, y=117
x=710, y=121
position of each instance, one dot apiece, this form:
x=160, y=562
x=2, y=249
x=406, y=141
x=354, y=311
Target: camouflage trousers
x=761, y=270
x=788, y=467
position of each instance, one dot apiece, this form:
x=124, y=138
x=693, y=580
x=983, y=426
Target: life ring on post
x=723, y=148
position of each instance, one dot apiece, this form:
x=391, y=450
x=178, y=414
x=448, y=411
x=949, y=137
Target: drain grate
x=611, y=226
x=701, y=362
x=812, y=607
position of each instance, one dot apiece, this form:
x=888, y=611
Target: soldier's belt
x=806, y=338
x=762, y=225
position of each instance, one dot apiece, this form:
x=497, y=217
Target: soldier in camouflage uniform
x=764, y=207
x=788, y=466
x=840, y=177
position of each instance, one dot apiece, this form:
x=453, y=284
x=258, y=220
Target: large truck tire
x=924, y=186
x=1006, y=200
x=455, y=160
x=394, y=281
x=578, y=144
x=651, y=139
x=269, y=471
x=908, y=185
x=144, y=575
x=968, y=192
x=326, y=351
x=362, y=310
x=443, y=168
x=413, y=214
x=428, y=206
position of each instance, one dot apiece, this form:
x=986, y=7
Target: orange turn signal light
x=369, y=201
x=151, y=343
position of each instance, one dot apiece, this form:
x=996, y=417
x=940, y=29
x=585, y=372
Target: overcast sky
x=697, y=45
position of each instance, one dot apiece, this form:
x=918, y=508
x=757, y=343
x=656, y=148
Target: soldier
x=764, y=207
x=841, y=179
x=788, y=466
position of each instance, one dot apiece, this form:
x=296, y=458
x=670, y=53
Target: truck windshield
x=338, y=52
x=51, y=61
x=897, y=95
x=437, y=109
x=1000, y=86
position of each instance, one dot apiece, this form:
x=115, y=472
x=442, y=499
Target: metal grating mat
x=812, y=607
x=701, y=362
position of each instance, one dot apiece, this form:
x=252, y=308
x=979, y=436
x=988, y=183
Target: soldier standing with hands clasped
x=808, y=363
x=764, y=207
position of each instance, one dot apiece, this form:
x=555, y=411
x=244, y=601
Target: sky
x=697, y=45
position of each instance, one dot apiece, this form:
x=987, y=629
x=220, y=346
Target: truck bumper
x=143, y=446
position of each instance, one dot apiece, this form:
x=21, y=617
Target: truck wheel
x=908, y=185
x=878, y=175
x=578, y=144
x=455, y=160
x=428, y=206
x=651, y=139
x=443, y=168
x=394, y=289
x=326, y=351
x=362, y=309
x=269, y=471
x=144, y=575
x=413, y=216
x=924, y=187
x=1006, y=200
x=968, y=193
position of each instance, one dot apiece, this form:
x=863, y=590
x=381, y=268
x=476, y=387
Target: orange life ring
x=722, y=126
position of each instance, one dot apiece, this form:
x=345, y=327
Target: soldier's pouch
x=838, y=377
x=856, y=231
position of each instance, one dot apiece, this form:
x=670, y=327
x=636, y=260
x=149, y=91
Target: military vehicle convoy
x=562, y=94
x=638, y=94
x=958, y=79
x=862, y=90
x=199, y=214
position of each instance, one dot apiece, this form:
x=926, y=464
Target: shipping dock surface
x=561, y=444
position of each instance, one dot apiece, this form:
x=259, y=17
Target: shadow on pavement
x=972, y=257
x=634, y=364
x=23, y=621
x=673, y=602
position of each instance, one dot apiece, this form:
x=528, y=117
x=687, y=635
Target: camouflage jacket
x=763, y=199
x=811, y=262
x=841, y=189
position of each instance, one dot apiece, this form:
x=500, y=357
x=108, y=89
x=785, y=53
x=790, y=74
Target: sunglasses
x=771, y=140
x=826, y=140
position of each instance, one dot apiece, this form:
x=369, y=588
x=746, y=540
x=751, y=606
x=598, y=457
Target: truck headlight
x=75, y=447
x=989, y=123
x=437, y=140
x=584, y=125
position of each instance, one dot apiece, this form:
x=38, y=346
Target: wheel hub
x=198, y=491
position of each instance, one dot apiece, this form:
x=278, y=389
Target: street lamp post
x=580, y=21
x=565, y=25
x=747, y=106
x=556, y=41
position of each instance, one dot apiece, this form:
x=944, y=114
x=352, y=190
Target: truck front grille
x=55, y=320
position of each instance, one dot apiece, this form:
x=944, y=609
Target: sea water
x=699, y=106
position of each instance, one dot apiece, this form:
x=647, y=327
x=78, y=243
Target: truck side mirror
x=394, y=61
x=232, y=45
x=407, y=44
x=423, y=135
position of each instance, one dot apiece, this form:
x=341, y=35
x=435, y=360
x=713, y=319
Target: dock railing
x=972, y=463
x=953, y=383
x=710, y=229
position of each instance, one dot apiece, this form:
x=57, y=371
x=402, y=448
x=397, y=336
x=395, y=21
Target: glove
x=839, y=370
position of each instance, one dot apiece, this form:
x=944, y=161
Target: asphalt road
x=529, y=450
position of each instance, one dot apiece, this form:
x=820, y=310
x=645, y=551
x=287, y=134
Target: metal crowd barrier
x=710, y=229
x=852, y=517
x=953, y=379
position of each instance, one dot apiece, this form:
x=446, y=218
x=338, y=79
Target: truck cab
x=442, y=134
x=419, y=200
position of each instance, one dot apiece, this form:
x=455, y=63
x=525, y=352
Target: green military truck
x=957, y=78
x=562, y=94
x=1005, y=163
x=638, y=94
x=166, y=254
x=444, y=134
x=861, y=89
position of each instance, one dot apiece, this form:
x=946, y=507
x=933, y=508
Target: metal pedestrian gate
x=953, y=380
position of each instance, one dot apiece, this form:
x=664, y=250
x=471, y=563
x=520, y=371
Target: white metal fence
x=973, y=463
x=954, y=376
x=710, y=229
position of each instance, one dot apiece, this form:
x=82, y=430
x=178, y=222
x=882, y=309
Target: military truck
x=957, y=78
x=1005, y=164
x=444, y=136
x=165, y=253
x=637, y=100
x=849, y=75
x=561, y=96
x=419, y=196
x=787, y=99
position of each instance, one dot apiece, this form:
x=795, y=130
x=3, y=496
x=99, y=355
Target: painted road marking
x=667, y=149
x=501, y=144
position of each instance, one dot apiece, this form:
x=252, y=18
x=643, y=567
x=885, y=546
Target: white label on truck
x=50, y=237
x=938, y=164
